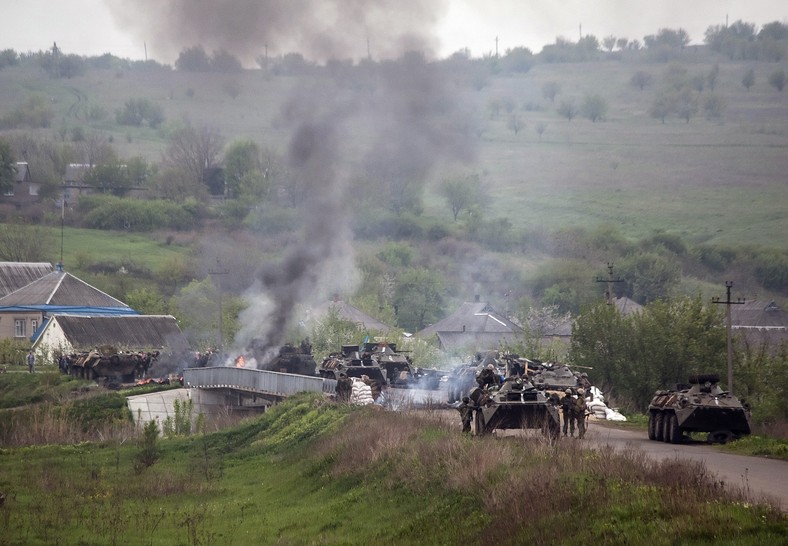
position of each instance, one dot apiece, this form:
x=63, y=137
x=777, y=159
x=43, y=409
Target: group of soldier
x=573, y=412
x=573, y=403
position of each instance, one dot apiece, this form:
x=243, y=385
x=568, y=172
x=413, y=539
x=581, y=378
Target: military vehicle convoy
x=517, y=404
x=701, y=407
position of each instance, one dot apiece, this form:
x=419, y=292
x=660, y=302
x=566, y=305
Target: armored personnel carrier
x=349, y=363
x=290, y=358
x=517, y=404
x=702, y=407
x=554, y=377
x=106, y=362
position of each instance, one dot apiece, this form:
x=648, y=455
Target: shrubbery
x=107, y=212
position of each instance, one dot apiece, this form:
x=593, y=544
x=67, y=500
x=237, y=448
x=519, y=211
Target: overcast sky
x=89, y=27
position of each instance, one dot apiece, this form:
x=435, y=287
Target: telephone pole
x=610, y=280
x=727, y=303
x=218, y=272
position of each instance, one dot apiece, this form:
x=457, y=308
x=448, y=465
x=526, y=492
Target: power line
x=727, y=303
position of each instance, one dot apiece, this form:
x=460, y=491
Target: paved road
x=761, y=476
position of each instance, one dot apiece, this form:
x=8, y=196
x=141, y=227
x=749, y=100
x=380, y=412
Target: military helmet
x=490, y=367
x=568, y=391
x=581, y=391
x=584, y=374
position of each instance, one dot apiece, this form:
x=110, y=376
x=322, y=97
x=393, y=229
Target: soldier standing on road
x=466, y=414
x=579, y=411
x=567, y=403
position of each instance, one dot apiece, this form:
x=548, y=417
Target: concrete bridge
x=219, y=389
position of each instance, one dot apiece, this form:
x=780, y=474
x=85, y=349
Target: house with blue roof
x=25, y=311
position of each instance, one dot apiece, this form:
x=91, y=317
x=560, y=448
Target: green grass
x=774, y=448
x=308, y=472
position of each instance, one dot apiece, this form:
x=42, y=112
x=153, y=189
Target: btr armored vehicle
x=516, y=404
x=701, y=407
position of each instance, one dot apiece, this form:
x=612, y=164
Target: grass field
x=720, y=180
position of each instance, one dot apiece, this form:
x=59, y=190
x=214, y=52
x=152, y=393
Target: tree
x=777, y=80
x=664, y=104
x=713, y=106
x=622, y=43
x=463, y=193
x=193, y=59
x=609, y=42
x=7, y=167
x=518, y=59
x=748, y=80
x=550, y=90
x=686, y=105
x=222, y=61
x=649, y=276
x=135, y=112
x=110, y=177
x=567, y=109
x=515, y=124
x=194, y=150
x=25, y=243
x=594, y=107
x=713, y=76
x=418, y=298
x=241, y=161
x=540, y=128
x=640, y=79
x=147, y=301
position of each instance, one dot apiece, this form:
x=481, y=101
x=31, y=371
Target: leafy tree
x=777, y=79
x=748, y=80
x=609, y=42
x=649, y=276
x=540, y=128
x=330, y=332
x=622, y=43
x=713, y=76
x=640, y=79
x=418, y=298
x=8, y=57
x=550, y=90
x=713, y=106
x=193, y=59
x=241, y=161
x=518, y=59
x=111, y=177
x=197, y=308
x=147, y=301
x=686, y=105
x=222, y=61
x=7, y=167
x=664, y=104
x=567, y=109
x=138, y=111
x=594, y=107
x=25, y=243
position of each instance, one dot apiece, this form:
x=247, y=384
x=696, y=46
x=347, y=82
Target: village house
x=24, y=190
x=474, y=326
x=15, y=275
x=26, y=309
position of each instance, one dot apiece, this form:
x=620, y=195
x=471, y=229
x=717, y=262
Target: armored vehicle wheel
x=720, y=437
x=658, y=426
x=652, y=425
x=666, y=415
x=673, y=430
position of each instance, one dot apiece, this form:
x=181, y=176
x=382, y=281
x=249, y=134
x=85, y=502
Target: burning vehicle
x=701, y=407
x=289, y=359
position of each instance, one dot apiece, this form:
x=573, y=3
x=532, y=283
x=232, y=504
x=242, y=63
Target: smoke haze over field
x=319, y=29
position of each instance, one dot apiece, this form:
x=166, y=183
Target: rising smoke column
x=407, y=113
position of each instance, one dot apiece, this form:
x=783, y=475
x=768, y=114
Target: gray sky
x=89, y=27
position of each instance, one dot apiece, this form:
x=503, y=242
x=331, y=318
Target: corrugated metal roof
x=60, y=288
x=758, y=313
x=133, y=332
x=15, y=275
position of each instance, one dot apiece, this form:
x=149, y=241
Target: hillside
x=562, y=195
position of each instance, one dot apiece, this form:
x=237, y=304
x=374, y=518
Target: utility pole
x=218, y=272
x=727, y=303
x=496, y=47
x=610, y=280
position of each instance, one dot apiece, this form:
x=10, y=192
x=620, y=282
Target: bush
x=107, y=212
x=272, y=220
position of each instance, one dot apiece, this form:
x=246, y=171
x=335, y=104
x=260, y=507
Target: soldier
x=579, y=410
x=466, y=414
x=584, y=382
x=567, y=402
x=487, y=377
x=344, y=388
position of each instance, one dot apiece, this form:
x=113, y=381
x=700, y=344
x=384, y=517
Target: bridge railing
x=262, y=381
